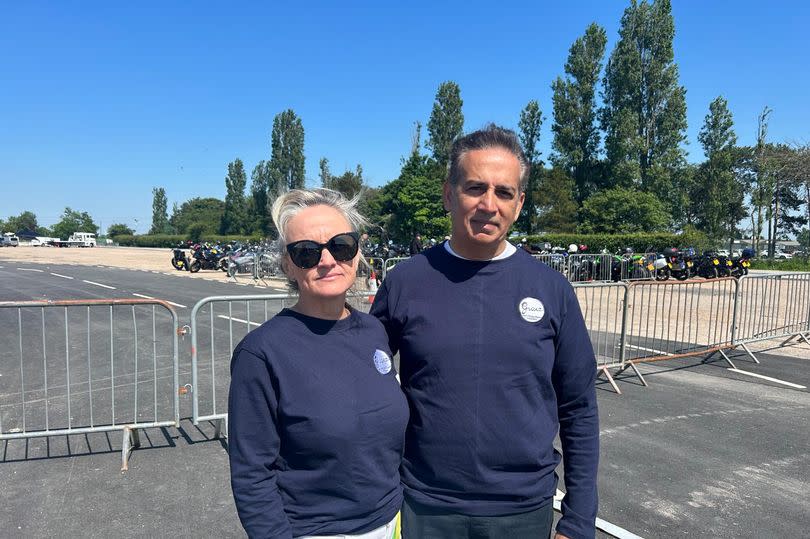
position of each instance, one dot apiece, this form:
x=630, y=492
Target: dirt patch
x=151, y=259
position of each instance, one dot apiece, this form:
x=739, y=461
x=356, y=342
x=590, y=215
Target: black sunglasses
x=307, y=253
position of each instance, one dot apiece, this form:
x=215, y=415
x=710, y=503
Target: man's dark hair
x=491, y=136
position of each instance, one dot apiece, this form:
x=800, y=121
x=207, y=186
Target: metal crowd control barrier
x=675, y=319
x=84, y=366
x=218, y=324
x=390, y=263
x=603, y=307
x=772, y=307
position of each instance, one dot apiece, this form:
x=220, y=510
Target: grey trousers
x=420, y=522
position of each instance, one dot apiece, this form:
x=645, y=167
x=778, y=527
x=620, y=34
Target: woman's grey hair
x=291, y=203
x=491, y=136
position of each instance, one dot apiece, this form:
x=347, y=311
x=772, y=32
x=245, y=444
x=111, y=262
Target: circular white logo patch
x=382, y=362
x=531, y=309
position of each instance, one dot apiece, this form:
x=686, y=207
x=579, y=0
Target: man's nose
x=487, y=202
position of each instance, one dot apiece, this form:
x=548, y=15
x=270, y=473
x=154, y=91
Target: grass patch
x=794, y=264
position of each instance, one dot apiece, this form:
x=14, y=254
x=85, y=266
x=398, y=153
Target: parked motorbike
x=207, y=258
x=740, y=265
x=179, y=259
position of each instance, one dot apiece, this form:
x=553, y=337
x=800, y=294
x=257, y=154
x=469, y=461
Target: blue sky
x=102, y=101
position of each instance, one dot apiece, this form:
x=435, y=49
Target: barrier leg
x=733, y=366
x=606, y=372
x=750, y=353
x=804, y=338
x=131, y=441
x=638, y=373
x=220, y=426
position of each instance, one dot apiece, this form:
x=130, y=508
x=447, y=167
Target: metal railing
x=227, y=320
x=390, y=263
x=771, y=307
x=82, y=366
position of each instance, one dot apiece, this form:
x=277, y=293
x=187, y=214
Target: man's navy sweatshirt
x=316, y=427
x=495, y=357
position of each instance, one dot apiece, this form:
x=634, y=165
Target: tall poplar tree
x=235, y=217
x=287, y=151
x=446, y=121
x=531, y=120
x=719, y=195
x=160, y=215
x=576, y=136
x=644, y=113
x=259, y=187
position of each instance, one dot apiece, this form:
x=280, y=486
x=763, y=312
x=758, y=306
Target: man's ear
x=447, y=192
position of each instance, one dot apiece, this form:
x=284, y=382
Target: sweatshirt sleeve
x=574, y=377
x=253, y=447
x=381, y=308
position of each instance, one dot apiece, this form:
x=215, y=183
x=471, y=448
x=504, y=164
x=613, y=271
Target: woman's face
x=329, y=278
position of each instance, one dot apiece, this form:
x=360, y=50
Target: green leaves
x=446, y=121
x=623, y=211
x=74, y=221
x=160, y=216
x=235, y=216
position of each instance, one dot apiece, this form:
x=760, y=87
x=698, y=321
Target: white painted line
x=30, y=269
x=99, y=284
x=604, y=525
x=60, y=275
x=238, y=320
x=775, y=380
x=142, y=296
x=650, y=350
x=175, y=304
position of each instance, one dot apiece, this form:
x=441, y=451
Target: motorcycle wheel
x=681, y=275
x=177, y=264
x=710, y=273
x=223, y=264
x=194, y=267
x=745, y=271
x=662, y=274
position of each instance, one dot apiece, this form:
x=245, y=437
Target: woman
x=316, y=416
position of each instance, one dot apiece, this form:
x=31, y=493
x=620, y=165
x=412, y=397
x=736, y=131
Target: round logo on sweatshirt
x=531, y=309
x=382, y=362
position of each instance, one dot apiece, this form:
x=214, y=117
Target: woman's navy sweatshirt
x=495, y=357
x=316, y=427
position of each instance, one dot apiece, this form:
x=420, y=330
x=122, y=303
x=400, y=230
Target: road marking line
x=99, y=284
x=62, y=276
x=30, y=269
x=775, y=380
x=238, y=320
x=603, y=525
x=142, y=296
x=649, y=350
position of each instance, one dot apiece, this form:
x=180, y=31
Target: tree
x=160, y=217
x=349, y=184
x=74, y=221
x=287, y=153
x=644, y=115
x=760, y=180
x=258, y=210
x=446, y=121
x=576, y=137
x=556, y=202
x=204, y=214
x=235, y=217
x=531, y=119
x=119, y=229
x=25, y=221
x=718, y=192
x=623, y=211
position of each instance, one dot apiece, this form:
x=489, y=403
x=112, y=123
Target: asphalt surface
x=702, y=451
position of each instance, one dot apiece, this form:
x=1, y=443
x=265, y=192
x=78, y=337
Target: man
x=495, y=358
x=416, y=245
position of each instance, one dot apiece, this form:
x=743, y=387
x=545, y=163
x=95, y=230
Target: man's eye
x=506, y=195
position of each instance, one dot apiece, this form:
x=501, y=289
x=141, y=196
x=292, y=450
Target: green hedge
x=794, y=264
x=171, y=240
x=618, y=242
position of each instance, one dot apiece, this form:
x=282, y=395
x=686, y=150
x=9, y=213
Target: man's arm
x=574, y=377
x=253, y=446
x=381, y=308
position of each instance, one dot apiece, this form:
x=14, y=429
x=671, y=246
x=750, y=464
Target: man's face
x=485, y=203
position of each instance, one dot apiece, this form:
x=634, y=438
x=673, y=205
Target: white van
x=10, y=240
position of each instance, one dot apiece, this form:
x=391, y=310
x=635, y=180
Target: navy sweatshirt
x=316, y=427
x=495, y=357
